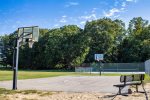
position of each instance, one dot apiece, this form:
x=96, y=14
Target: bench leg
x=143, y=88
x=120, y=90
x=136, y=88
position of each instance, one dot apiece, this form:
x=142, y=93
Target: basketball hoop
x=25, y=35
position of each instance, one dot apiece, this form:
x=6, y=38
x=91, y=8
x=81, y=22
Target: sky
x=56, y=13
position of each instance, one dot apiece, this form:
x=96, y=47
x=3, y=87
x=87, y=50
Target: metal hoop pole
x=15, y=75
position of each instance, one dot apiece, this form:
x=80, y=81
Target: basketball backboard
x=99, y=57
x=28, y=34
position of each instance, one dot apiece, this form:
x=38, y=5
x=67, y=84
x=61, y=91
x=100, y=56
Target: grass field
x=8, y=75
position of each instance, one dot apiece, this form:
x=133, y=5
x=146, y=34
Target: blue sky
x=56, y=13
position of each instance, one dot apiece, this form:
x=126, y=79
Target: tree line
x=70, y=46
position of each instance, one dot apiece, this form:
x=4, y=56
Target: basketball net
x=31, y=42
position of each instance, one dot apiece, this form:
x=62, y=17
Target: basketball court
x=103, y=84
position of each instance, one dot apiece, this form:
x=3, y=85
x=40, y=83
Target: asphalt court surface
x=103, y=84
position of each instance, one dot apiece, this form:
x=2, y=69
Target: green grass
x=8, y=75
x=147, y=79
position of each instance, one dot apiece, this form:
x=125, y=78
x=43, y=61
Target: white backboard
x=99, y=57
x=29, y=33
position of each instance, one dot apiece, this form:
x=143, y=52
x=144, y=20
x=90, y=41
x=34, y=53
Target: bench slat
x=131, y=78
x=123, y=85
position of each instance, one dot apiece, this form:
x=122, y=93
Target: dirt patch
x=75, y=96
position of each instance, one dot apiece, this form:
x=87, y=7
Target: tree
x=105, y=35
x=136, y=25
x=9, y=44
x=67, y=47
x=135, y=47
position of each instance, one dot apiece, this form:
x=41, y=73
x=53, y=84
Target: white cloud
x=83, y=19
x=131, y=0
x=69, y=4
x=64, y=16
x=63, y=19
x=94, y=10
x=116, y=16
x=82, y=22
x=123, y=4
x=56, y=25
x=111, y=12
x=88, y=17
x=119, y=7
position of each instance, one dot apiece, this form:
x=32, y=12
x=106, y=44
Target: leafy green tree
x=135, y=47
x=67, y=47
x=105, y=35
x=9, y=44
x=136, y=25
